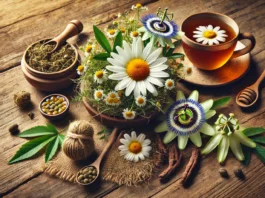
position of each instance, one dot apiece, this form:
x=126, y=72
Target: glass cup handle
x=248, y=48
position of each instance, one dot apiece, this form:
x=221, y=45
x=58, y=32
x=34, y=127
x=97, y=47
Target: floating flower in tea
x=186, y=118
x=209, y=35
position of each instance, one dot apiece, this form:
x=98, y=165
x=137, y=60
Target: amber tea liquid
x=208, y=59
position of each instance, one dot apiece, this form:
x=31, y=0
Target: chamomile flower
x=137, y=68
x=111, y=33
x=123, y=30
x=139, y=6
x=187, y=70
x=88, y=49
x=157, y=31
x=169, y=84
x=134, y=34
x=98, y=94
x=209, y=35
x=81, y=69
x=186, y=118
x=135, y=148
x=100, y=76
x=128, y=114
x=113, y=94
x=140, y=101
x=112, y=101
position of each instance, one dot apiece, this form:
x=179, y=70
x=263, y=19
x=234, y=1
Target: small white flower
x=113, y=94
x=112, y=33
x=98, y=94
x=128, y=114
x=188, y=70
x=88, y=49
x=81, y=69
x=112, y=101
x=169, y=84
x=135, y=148
x=139, y=6
x=134, y=34
x=209, y=35
x=100, y=76
x=140, y=101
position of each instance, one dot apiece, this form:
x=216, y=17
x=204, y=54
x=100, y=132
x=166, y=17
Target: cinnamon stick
x=162, y=151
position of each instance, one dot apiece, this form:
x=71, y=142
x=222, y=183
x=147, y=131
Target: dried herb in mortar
x=39, y=57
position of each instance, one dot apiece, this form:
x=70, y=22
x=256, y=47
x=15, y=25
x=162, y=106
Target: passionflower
x=135, y=148
x=137, y=68
x=209, y=35
x=186, y=118
x=158, y=30
x=228, y=134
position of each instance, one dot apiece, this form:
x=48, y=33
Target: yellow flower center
x=169, y=83
x=99, y=74
x=80, y=68
x=140, y=100
x=89, y=48
x=135, y=147
x=112, y=95
x=99, y=94
x=123, y=30
x=135, y=34
x=116, y=100
x=209, y=34
x=138, y=69
x=129, y=114
x=138, y=5
x=110, y=100
x=111, y=32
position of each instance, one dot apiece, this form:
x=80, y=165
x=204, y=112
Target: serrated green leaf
x=61, y=139
x=30, y=148
x=39, y=131
x=247, y=154
x=101, y=56
x=175, y=55
x=253, y=131
x=220, y=102
x=117, y=42
x=260, y=139
x=51, y=149
x=260, y=152
x=102, y=40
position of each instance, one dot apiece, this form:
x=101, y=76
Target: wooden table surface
x=23, y=22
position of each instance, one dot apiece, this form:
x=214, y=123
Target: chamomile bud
x=221, y=115
x=229, y=133
x=217, y=122
x=231, y=115
x=218, y=128
x=222, y=132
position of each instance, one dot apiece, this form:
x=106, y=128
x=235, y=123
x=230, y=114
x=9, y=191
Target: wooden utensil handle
x=248, y=48
x=112, y=138
x=72, y=29
x=262, y=76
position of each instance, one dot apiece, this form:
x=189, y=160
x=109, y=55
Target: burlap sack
x=114, y=168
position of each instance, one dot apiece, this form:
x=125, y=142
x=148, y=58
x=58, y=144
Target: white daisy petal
x=155, y=81
x=160, y=74
x=136, y=158
x=220, y=39
x=127, y=137
x=158, y=62
x=153, y=56
x=133, y=134
x=205, y=41
x=137, y=89
x=123, y=53
x=200, y=39
x=216, y=28
x=115, y=68
x=123, y=84
x=150, y=88
x=210, y=27
x=146, y=142
x=197, y=36
x=139, y=48
x=141, y=156
x=143, y=88
x=124, y=141
x=130, y=88
x=141, y=137
x=160, y=68
x=210, y=42
x=147, y=50
x=116, y=62
x=118, y=76
x=127, y=49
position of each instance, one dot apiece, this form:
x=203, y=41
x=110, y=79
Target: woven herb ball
x=79, y=142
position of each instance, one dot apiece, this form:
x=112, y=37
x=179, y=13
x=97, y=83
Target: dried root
x=174, y=158
x=194, y=158
x=162, y=152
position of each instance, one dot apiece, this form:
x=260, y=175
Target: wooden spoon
x=249, y=96
x=96, y=164
x=72, y=29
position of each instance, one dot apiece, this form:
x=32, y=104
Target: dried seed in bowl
x=54, y=105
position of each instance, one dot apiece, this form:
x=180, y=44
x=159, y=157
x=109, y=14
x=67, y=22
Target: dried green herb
x=39, y=57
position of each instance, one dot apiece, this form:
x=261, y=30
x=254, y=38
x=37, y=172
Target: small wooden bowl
x=57, y=116
x=50, y=82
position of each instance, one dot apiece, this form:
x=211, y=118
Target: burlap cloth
x=113, y=168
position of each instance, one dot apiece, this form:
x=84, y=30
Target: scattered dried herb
x=39, y=57
x=31, y=115
x=13, y=129
x=239, y=173
x=223, y=172
x=22, y=99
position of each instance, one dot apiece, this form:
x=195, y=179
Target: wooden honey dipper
x=249, y=96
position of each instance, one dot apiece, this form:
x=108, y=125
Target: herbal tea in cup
x=210, y=40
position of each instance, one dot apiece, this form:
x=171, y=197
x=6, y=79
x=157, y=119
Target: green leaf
x=260, y=152
x=164, y=52
x=175, y=55
x=146, y=42
x=220, y=102
x=61, y=139
x=171, y=50
x=247, y=154
x=102, y=40
x=103, y=137
x=52, y=148
x=30, y=148
x=253, y=131
x=117, y=42
x=100, y=132
x=101, y=56
x=39, y=131
x=259, y=139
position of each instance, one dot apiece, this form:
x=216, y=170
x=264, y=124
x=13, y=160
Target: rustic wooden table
x=24, y=22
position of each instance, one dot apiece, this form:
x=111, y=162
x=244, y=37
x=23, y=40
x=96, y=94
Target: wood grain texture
x=23, y=22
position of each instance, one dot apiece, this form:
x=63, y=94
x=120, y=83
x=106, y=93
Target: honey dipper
x=249, y=96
